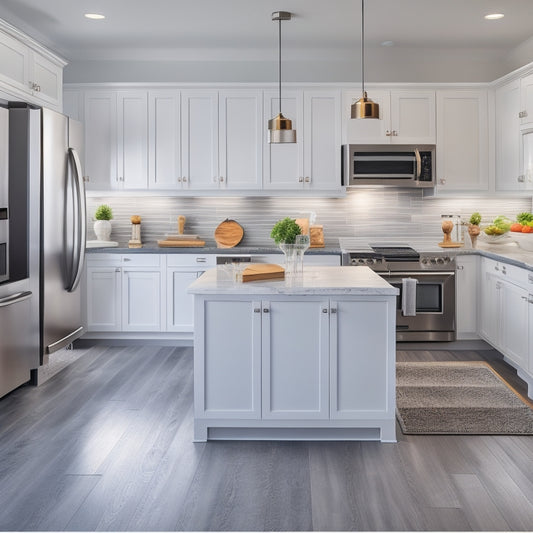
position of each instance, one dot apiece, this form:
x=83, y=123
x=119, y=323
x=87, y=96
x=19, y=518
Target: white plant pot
x=102, y=229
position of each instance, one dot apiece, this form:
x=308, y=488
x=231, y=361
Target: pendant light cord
x=363, y=46
x=279, y=63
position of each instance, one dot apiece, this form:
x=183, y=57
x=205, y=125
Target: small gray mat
x=458, y=398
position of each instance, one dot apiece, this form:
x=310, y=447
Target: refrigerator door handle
x=81, y=223
x=15, y=298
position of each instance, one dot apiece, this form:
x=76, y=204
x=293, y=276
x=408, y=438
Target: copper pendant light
x=364, y=107
x=280, y=128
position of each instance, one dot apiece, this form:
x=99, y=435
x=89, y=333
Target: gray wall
x=368, y=214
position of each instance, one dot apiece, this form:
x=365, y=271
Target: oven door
x=434, y=319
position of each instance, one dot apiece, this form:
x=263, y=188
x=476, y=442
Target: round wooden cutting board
x=228, y=234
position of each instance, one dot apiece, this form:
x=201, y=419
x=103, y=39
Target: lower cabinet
x=293, y=362
x=466, y=296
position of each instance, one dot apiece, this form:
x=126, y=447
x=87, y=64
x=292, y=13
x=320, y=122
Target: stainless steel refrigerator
x=42, y=228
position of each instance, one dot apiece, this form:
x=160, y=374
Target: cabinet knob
x=126, y=259
x=394, y=133
x=221, y=179
x=266, y=310
x=324, y=309
x=460, y=267
x=307, y=179
x=521, y=178
x=530, y=278
x=179, y=180
x=257, y=310
x=184, y=179
x=388, y=133
x=300, y=179
x=117, y=269
x=333, y=310
x=525, y=298
x=442, y=181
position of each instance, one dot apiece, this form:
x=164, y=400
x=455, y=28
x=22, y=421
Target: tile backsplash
x=369, y=214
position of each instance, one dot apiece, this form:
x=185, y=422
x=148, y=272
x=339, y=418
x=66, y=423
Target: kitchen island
x=312, y=358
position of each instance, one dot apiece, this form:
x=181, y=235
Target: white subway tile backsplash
x=368, y=214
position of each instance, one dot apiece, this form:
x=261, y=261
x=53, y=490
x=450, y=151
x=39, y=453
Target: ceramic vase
x=102, y=229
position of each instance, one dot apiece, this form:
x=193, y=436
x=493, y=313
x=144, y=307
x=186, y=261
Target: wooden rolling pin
x=181, y=224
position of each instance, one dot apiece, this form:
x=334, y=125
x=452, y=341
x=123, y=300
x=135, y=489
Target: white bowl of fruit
x=522, y=231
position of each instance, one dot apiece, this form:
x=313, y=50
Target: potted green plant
x=287, y=234
x=473, y=227
x=102, y=222
x=285, y=231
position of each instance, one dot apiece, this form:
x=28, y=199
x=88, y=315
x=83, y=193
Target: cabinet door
x=362, y=373
x=466, y=280
x=199, y=137
x=164, y=140
x=103, y=299
x=413, y=117
x=462, y=141
x=526, y=101
x=132, y=120
x=526, y=158
x=507, y=101
x=283, y=163
x=100, y=111
x=514, y=323
x=489, y=310
x=180, y=305
x=227, y=363
x=322, y=140
x=295, y=339
x=14, y=61
x=240, y=139
x=141, y=300
x=367, y=131
x=46, y=79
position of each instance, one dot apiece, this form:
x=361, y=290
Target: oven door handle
x=417, y=273
x=418, y=164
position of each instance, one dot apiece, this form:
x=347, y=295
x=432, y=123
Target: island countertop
x=347, y=280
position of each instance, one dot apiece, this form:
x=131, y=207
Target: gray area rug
x=459, y=398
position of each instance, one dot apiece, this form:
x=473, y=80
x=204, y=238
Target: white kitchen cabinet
x=360, y=385
x=30, y=72
x=283, y=163
x=132, y=140
x=507, y=133
x=526, y=101
x=405, y=117
x=100, y=119
x=240, y=139
x=104, y=297
x=462, y=141
x=490, y=304
x=125, y=293
x=227, y=379
x=466, y=296
x=312, y=163
x=164, y=139
x=295, y=358
x=526, y=159
x=182, y=270
x=199, y=137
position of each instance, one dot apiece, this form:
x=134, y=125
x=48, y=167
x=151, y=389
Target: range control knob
x=440, y=260
x=424, y=260
x=370, y=261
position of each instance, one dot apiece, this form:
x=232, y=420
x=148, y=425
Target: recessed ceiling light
x=94, y=16
x=494, y=16
x=387, y=43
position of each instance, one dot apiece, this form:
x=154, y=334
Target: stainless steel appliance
x=433, y=316
x=40, y=304
x=395, y=165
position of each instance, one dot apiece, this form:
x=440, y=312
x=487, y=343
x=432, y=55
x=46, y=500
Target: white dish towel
x=409, y=296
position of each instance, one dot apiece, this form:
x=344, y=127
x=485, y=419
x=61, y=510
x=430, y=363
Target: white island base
x=311, y=359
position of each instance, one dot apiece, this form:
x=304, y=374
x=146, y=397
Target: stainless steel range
x=426, y=303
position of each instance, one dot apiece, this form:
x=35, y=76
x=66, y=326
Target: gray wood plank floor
x=106, y=445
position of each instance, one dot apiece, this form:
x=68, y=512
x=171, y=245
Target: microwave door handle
x=418, y=164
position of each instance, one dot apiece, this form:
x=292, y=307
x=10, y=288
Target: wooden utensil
x=182, y=243
x=181, y=224
x=262, y=271
x=228, y=234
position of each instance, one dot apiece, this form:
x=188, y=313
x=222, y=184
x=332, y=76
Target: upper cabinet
x=28, y=71
x=526, y=101
x=462, y=141
x=406, y=117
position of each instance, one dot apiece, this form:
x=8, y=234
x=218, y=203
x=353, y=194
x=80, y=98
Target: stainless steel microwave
x=396, y=165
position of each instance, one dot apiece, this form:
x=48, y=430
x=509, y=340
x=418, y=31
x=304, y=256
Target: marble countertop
x=316, y=280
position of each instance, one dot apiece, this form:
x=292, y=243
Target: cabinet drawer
x=514, y=274
x=203, y=260
x=99, y=260
x=134, y=260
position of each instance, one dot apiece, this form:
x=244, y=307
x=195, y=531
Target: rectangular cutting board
x=261, y=271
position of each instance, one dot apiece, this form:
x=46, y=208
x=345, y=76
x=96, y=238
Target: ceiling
x=242, y=29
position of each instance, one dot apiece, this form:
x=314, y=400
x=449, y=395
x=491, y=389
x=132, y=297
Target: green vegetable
x=285, y=231
x=103, y=212
x=524, y=218
x=475, y=218
x=499, y=226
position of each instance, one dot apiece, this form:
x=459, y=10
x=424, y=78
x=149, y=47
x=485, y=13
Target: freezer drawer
x=19, y=341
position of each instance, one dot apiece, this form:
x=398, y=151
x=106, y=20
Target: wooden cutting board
x=181, y=243
x=260, y=271
x=228, y=234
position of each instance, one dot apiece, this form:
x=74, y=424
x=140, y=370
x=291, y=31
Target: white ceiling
x=243, y=29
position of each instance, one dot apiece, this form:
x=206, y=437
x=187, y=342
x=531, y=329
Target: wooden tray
x=259, y=271
x=451, y=244
x=181, y=244
x=228, y=234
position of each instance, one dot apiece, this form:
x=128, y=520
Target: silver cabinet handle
x=525, y=298
x=221, y=179
x=333, y=310
x=307, y=179
x=15, y=298
x=266, y=310
x=460, y=267
x=388, y=133
x=125, y=259
x=324, y=309
x=117, y=269
x=521, y=178
x=179, y=180
x=300, y=179
x=394, y=133
x=201, y=260
x=442, y=181
x=184, y=179
x=257, y=310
